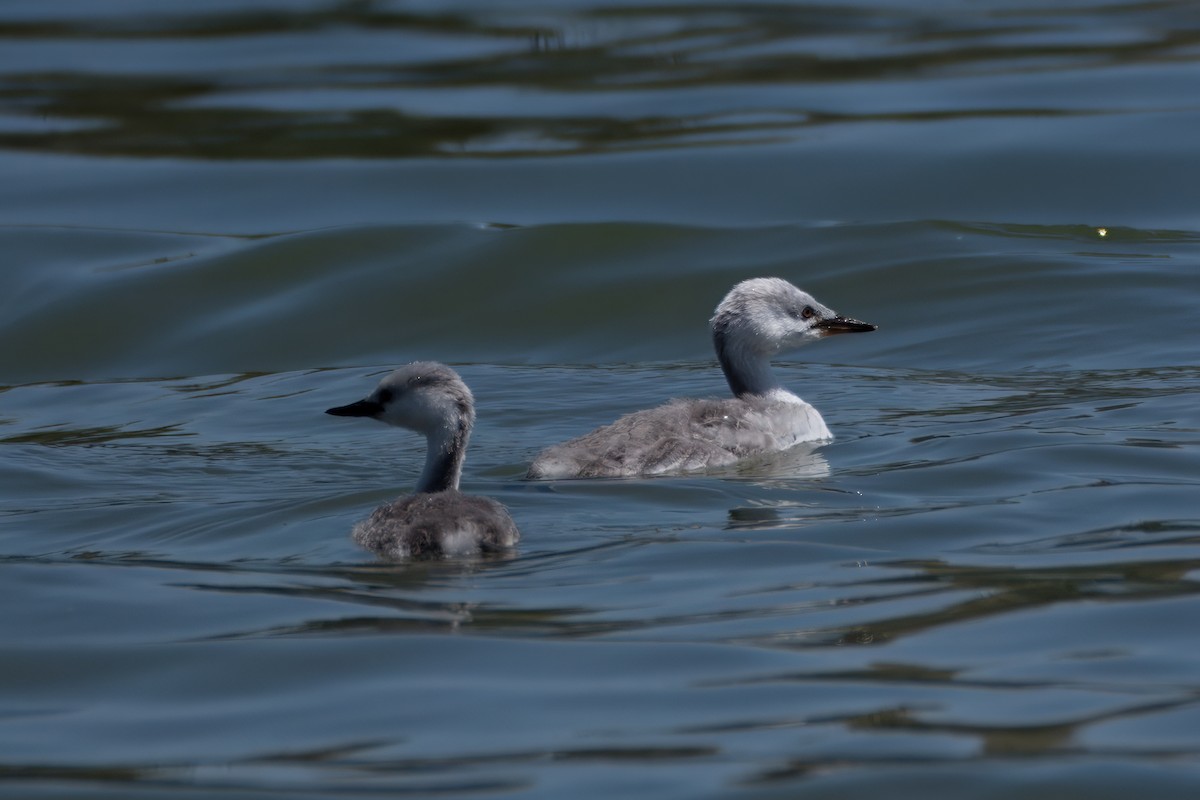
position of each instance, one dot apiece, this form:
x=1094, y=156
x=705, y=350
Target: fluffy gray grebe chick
x=431, y=398
x=758, y=319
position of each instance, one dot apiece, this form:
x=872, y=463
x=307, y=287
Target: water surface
x=218, y=222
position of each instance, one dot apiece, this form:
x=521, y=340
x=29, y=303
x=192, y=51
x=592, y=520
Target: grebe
x=758, y=319
x=431, y=398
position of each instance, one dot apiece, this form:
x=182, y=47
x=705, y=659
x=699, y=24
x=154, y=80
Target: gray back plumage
x=681, y=436
x=433, y=524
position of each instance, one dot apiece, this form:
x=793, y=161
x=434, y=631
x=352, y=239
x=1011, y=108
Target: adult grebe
x=757, y=319
x=431, y=398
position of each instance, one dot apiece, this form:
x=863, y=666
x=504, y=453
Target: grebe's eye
x=808, y=312
x=384, y=397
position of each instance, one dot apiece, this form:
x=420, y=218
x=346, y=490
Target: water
x=217, y=222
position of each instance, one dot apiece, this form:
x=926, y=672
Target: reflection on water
x=1004, y=590
x=374, y=80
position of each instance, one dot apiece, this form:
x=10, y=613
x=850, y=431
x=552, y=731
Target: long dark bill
x=363, y=408
x=835, y=325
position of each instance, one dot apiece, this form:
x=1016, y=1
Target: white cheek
x=777, y=331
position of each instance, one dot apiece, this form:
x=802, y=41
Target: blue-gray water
x=219, y=219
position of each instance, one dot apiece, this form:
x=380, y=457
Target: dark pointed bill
x=363, y=408
x=843, y=325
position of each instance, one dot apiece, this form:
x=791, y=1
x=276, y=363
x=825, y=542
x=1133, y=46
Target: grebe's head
x=424, y=396
x=765, y=316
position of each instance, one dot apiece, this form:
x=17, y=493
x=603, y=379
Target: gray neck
x=445, y=451
x=748, y=372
